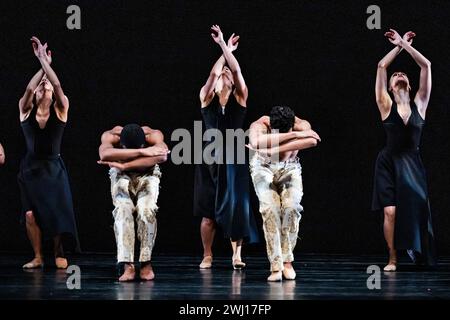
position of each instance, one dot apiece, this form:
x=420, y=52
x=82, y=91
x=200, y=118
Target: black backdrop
x=145, y=63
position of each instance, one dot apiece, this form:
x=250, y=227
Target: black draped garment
x=43, y=180
x=400, y=181
x=221, y=190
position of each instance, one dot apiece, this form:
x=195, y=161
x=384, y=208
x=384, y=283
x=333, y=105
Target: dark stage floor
x=318, y=277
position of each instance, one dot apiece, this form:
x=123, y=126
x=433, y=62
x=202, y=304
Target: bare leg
x=388, y=226
x=237, y=260
x=60, y=261
x=207, y=231
x=34, y=234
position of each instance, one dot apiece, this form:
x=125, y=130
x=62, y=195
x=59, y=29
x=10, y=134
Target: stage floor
x=318, y=277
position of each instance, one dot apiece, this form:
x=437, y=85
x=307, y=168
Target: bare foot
x=206, y=262
x=391, y=267
x=237, y=263
x=392, y=264
x=147, y=272
x=61, y=263
x=288, y=271
x=128, y=274
x=275, y=276
x=37, y=262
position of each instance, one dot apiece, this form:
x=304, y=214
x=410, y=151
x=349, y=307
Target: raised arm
x=207, y=91
x=26, y=102
x=239, y=82
x=383, y=99
x=108, y=152
x=2, y=155
x=423, y=94
x=62, y=103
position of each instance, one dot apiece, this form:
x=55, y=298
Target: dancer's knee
x=29, y=218
x=207, y=222
x=389, y=213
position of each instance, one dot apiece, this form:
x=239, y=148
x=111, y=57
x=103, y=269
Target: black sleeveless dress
x=221, y=189
x=43, y=180
x=400, y=181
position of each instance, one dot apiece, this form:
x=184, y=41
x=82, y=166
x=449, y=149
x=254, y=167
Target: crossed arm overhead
x=422, y=97
x=207, y=91
x=301, y=137
x=239, y=82
x=45, y=58
x=132, y=159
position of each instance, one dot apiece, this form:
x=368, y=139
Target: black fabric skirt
x=45, y=190
x=221, y=193
x=400, y=181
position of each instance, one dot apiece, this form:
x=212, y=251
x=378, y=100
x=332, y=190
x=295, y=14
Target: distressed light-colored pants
x=135, y=192
x=279, y=188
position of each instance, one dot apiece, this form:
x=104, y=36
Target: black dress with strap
x=221, y=190
x=400, y=181
x=43, y=180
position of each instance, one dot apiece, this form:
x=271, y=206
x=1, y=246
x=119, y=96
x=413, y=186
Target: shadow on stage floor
x=318, y=277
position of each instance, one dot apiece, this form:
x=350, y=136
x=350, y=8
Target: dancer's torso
x=43, y=142
x=230, y=116
x=403, y=136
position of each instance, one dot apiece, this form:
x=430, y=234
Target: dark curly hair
x=282, y=118
x=132, y=137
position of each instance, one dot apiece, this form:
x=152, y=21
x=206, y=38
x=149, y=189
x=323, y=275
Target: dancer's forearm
x=34, y=82
x=230, y=58
x=389, y=57
x=143, y=163
x=268, y=140
x=53, y=78
x=25, y=102
x=115, y=154
x=294, y=145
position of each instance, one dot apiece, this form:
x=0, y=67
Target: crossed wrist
x=402, y=43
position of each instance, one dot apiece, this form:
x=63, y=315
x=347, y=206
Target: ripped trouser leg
x=270, y=208
x=123, y=216
x=280, y=190
x=291, y=194
x=145, y=188
x=147, y=194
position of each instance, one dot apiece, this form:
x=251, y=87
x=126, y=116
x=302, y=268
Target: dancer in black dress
x=400, y=187
x=43, y=181
x=221, y=193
